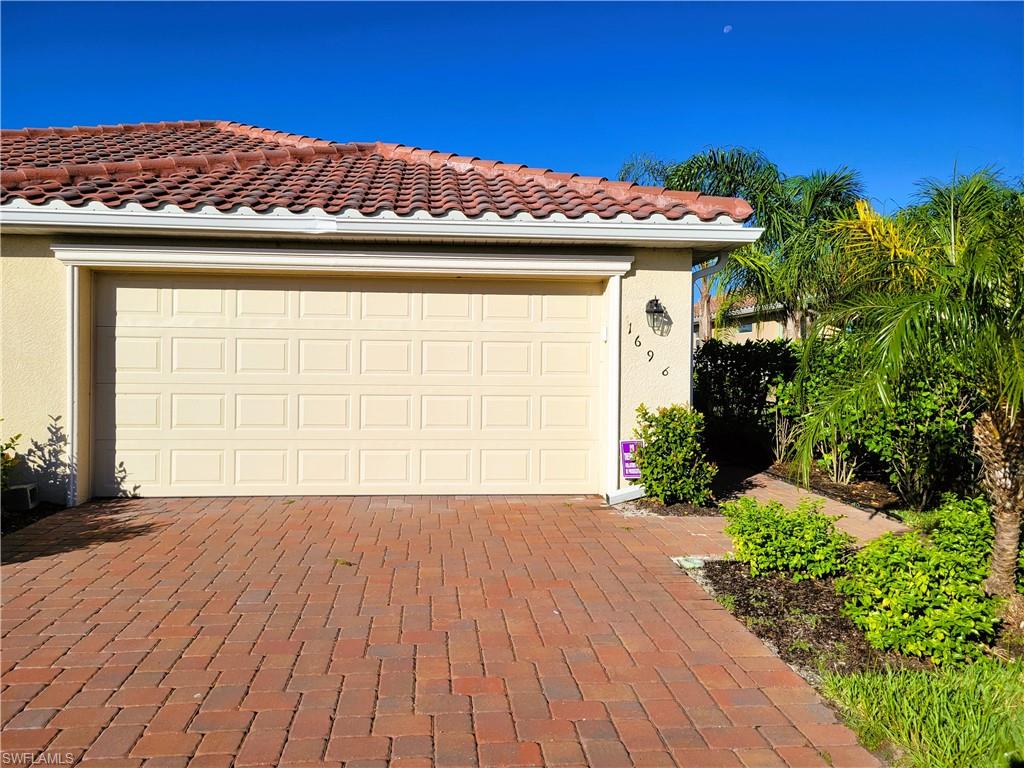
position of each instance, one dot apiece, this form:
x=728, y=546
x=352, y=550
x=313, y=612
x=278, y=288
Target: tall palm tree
x=793, y=264
x=736, y=172
x=948, y=289
x=806, y=272
x=739, y=172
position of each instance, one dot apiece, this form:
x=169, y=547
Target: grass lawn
x=947, y=718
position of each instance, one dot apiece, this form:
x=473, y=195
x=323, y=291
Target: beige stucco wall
x=665, y=274
x=33, y=357
x=766, y=329
x=763, y=330
x=33, y=349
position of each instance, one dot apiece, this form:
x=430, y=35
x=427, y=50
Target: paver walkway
x=416, y=631
x=706, y=535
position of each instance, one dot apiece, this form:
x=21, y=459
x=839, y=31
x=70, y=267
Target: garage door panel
x=149, y=300
x=214, y=386
x=268, y=412
x=343, y=467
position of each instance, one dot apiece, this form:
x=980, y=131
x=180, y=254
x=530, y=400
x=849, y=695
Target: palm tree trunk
x=704, y=328
x=1000, y=444
x=796, y=325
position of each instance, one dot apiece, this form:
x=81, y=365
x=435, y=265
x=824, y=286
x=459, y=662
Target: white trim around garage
x=102, y=257
x=72, y=383
x=613, y=333
x=263, y=259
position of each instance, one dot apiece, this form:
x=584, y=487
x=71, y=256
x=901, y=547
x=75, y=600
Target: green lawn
x=957, y=717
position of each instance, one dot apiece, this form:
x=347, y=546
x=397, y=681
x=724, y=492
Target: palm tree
x=739, y=172
x=793, y=264
x=646, y=170
x=948, y=286
x=735, y=172
x=806, y=272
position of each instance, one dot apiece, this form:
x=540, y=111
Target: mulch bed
x=802, y=621
x=869, y=495
x=677, y=510
x=15, y=521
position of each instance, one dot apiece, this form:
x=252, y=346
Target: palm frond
x=646, y=170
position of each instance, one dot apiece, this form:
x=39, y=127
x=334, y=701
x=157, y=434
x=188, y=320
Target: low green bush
x=922, y=593
x=922, y=445
x=950, y=718
x=801, y=542
x=963, y=530
x=673, y=465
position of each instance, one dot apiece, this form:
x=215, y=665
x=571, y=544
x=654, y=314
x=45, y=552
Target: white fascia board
x=276, y=259
x=688, y=232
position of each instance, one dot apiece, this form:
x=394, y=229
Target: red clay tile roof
x=227, y=165
x=744, y=302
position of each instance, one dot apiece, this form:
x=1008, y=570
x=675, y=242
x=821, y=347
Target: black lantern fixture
x=658, y=318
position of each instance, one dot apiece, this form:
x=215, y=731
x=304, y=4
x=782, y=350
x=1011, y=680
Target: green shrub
x=8, y=459
x=921, y=445
x=733, y=387
x=801, y=542
x=673, y=467
x=831, y=362
x=923, y=595
x=963, y=530
x=951, y=718
x=963, y=527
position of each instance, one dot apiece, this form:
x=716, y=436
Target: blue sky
x=897, y=91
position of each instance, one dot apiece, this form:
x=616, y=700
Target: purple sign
x=627, y=451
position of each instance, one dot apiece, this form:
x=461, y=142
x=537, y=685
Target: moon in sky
x=727, y=29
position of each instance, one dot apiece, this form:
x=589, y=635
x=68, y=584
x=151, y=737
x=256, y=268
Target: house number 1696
x=650, y=352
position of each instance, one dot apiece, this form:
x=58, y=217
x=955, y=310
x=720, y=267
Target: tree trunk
x=1000, y=444
x=704, y=325
x=796, y=326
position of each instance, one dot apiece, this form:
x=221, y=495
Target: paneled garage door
x=225, y=385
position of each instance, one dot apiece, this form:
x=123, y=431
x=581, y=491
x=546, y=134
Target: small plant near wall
x=672, y=461
x=801, y=542
x=8, y=460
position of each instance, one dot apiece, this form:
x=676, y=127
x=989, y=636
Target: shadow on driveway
x=97, y=522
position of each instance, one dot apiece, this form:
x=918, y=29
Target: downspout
x=705, y=273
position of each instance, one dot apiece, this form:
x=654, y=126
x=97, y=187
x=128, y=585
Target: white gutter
x=690, y=231
x=718, y=266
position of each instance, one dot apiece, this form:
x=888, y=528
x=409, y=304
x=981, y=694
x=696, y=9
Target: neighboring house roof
x=229, y=166
x=744, y=306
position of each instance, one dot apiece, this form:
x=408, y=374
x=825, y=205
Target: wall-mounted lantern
x=658, y=317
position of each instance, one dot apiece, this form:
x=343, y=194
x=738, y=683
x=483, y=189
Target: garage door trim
x=344, y=262
x=84, y=259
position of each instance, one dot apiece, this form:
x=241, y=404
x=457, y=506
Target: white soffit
x=689, y=232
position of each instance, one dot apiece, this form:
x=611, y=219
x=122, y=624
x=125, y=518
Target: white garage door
x=228, y=386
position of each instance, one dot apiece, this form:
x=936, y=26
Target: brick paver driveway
x=449, y=631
